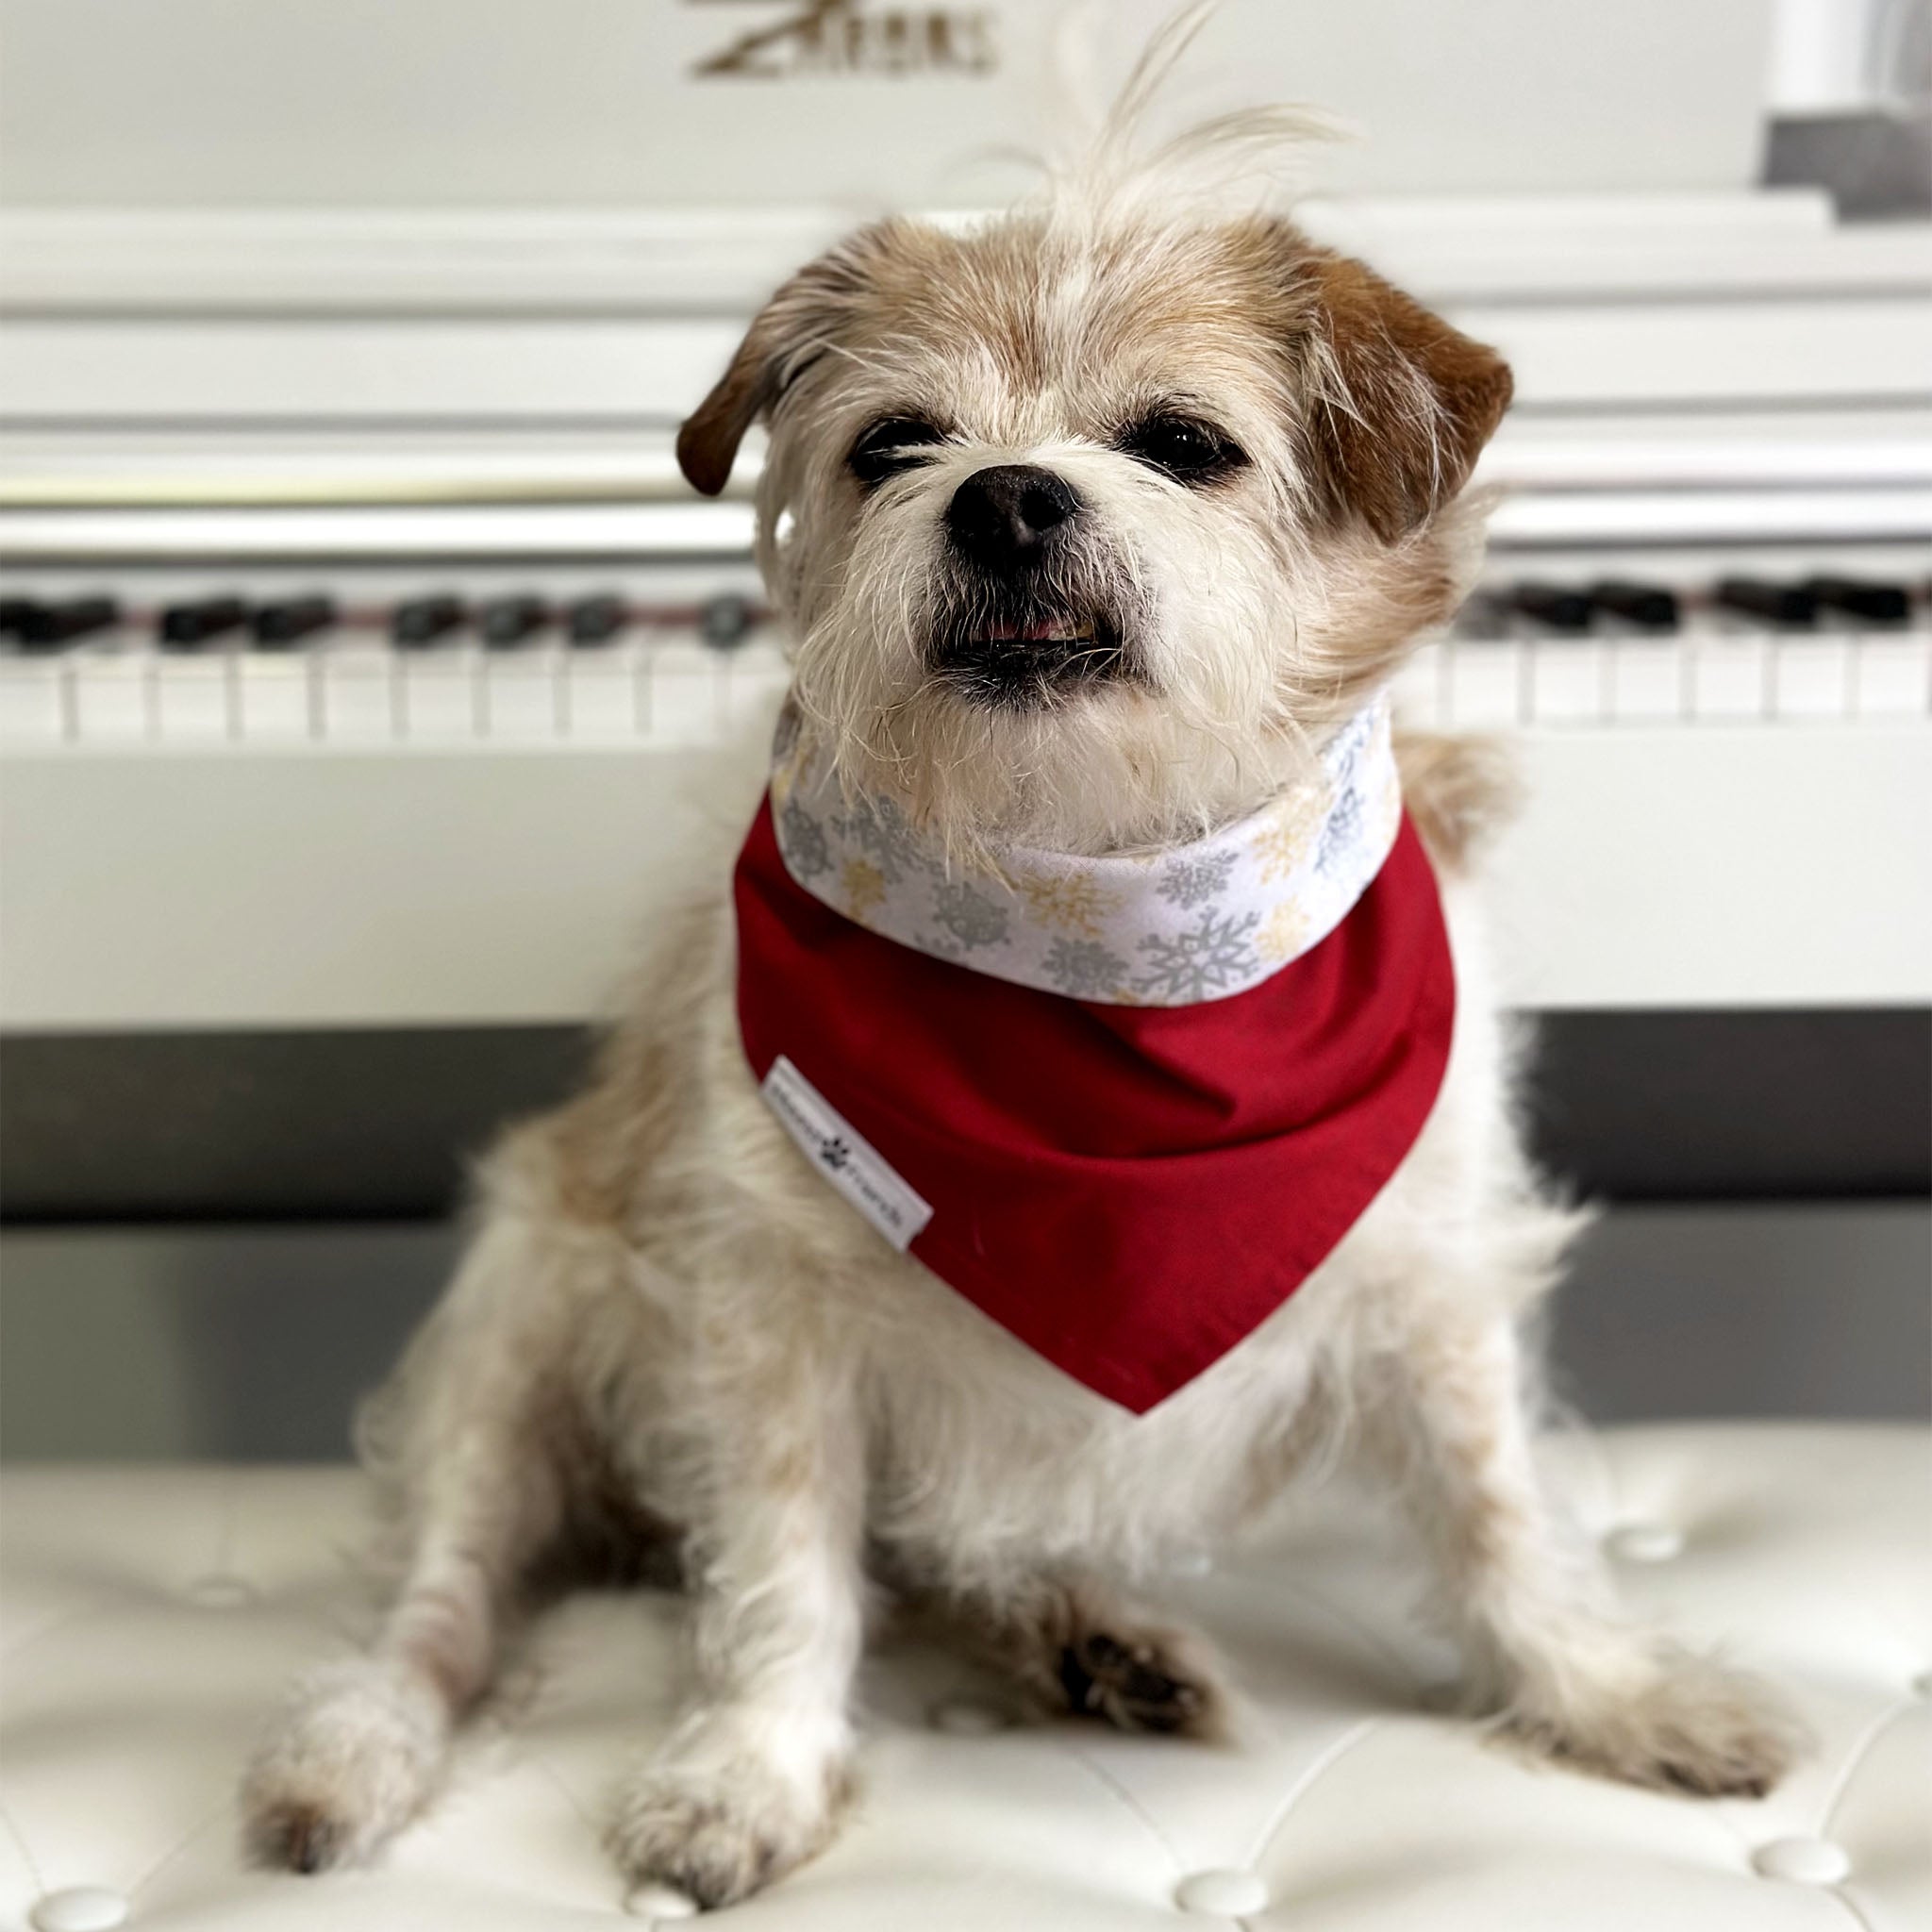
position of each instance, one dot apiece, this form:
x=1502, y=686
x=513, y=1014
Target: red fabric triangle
x=1130, y=1190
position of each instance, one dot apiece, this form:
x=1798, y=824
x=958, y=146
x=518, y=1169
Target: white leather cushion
x=150, y=1616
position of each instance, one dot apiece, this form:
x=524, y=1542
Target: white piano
x=366, y=664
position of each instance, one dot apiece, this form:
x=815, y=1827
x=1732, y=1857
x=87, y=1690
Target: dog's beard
x=1026, y=643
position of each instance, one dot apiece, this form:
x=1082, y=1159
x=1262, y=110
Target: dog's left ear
x=1402, y=404
x=793, y=330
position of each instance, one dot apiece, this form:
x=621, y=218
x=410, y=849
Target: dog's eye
x=889, y=446
x=1186, y=449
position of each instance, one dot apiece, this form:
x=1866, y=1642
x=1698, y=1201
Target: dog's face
x=1086, y=529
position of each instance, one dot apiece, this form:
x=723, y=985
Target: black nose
x=1005, y=517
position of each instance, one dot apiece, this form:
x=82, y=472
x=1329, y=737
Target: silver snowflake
x=968, y=914
x=1212, y=956
x=878, y=828
x=1340, y=833
x=803, y=840
x=1191, y=882
x=1084, y=969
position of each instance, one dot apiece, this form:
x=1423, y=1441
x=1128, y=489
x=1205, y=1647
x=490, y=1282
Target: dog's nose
x=1005, y=517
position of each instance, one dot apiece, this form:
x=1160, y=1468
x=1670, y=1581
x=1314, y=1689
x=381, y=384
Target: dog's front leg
x=1543, y=1647
x=750, y=1784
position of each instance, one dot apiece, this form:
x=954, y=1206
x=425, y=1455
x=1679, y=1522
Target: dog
x=1099, y=530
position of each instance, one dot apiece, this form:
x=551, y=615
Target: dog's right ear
x=793, y=330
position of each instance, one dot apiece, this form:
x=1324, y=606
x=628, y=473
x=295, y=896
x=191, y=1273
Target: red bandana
x=1130, y=1190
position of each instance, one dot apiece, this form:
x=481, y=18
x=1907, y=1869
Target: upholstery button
x=1802, y=1861
x=79, y=1909
x=221, y=1592
x=1193, y=1563
x=1922, y=1683
x=1226, y=1895
x=969, y=1717
x=1644, y=1542
x=658, y=1902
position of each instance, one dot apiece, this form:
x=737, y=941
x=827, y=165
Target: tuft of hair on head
x=1109, y=164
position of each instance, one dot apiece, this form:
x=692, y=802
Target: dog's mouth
x=1021, y=661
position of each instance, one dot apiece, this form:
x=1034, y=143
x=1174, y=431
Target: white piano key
x=360, y=695
x=686, y=701
x=1647, y=679
x=521, y=696
x=1892, y=676
x=114, y=698
x=1485, y=684
x=277, y=705
x=1418, y=688
x=442, y=697
x=602, y=688
x=1730, y=676
x=1811, y=677
x=1567, y=679
x=192, y=698
x=31, y=711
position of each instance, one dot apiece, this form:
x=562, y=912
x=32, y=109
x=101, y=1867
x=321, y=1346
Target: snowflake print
x=1074, y=904
x=1339, y=834
x=1213, y=955
x=803, y=840
x=1084, y=969
x=968, y=914
x=865, y=886
x=877, y=827
x=1283, y=933
x=1191, y=882
x=1282, y=843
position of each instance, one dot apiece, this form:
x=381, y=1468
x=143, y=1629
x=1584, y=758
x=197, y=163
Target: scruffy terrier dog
x=1099, y=530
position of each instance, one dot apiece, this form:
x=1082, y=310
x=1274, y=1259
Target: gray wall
x=255, y=1344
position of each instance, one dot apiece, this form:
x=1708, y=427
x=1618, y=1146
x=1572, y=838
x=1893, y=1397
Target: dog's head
x=1087, y=525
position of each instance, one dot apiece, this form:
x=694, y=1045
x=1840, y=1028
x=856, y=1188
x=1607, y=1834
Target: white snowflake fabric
x=1162, y=929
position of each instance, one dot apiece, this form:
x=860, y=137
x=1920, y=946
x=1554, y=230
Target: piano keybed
x=116, y=665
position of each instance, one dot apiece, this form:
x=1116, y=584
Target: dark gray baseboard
x=375, y=1123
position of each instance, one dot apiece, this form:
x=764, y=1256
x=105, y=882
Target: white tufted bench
x=150, y=1616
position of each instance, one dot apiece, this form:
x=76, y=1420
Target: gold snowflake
x=1282, y=843
x=865, y=886
x=1074, y=904
x=1283, y=933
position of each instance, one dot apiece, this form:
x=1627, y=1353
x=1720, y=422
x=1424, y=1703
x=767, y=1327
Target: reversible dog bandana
x=1126, y=1105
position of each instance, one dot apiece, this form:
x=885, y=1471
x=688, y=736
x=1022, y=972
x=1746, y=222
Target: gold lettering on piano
x=850, y=36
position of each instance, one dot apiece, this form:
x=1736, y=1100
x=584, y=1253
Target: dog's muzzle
x=1017, y=628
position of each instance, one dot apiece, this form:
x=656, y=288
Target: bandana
x=1126, y=1105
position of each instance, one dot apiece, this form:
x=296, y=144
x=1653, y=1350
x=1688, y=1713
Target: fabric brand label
x=844, y=1156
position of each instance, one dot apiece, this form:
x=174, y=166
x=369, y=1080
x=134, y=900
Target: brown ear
x=789, y=335
x=1403, y=403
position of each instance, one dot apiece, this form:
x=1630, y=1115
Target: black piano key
x=1860, y=597
x=1553, y=605
x=595, y=619
x=422, y=619
x=49, y=627
x=291, y=620
x=186, y=625
x=726, y=622
x=16, y=614
x=506, y=622
x=1787, y=603
x=1650, y=607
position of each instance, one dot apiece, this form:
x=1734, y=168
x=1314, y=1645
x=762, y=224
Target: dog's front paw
x=720, y=1831
x=352, y=1760
x=1684, y=1723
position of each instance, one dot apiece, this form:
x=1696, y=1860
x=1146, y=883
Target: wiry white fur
x=668, y=1324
